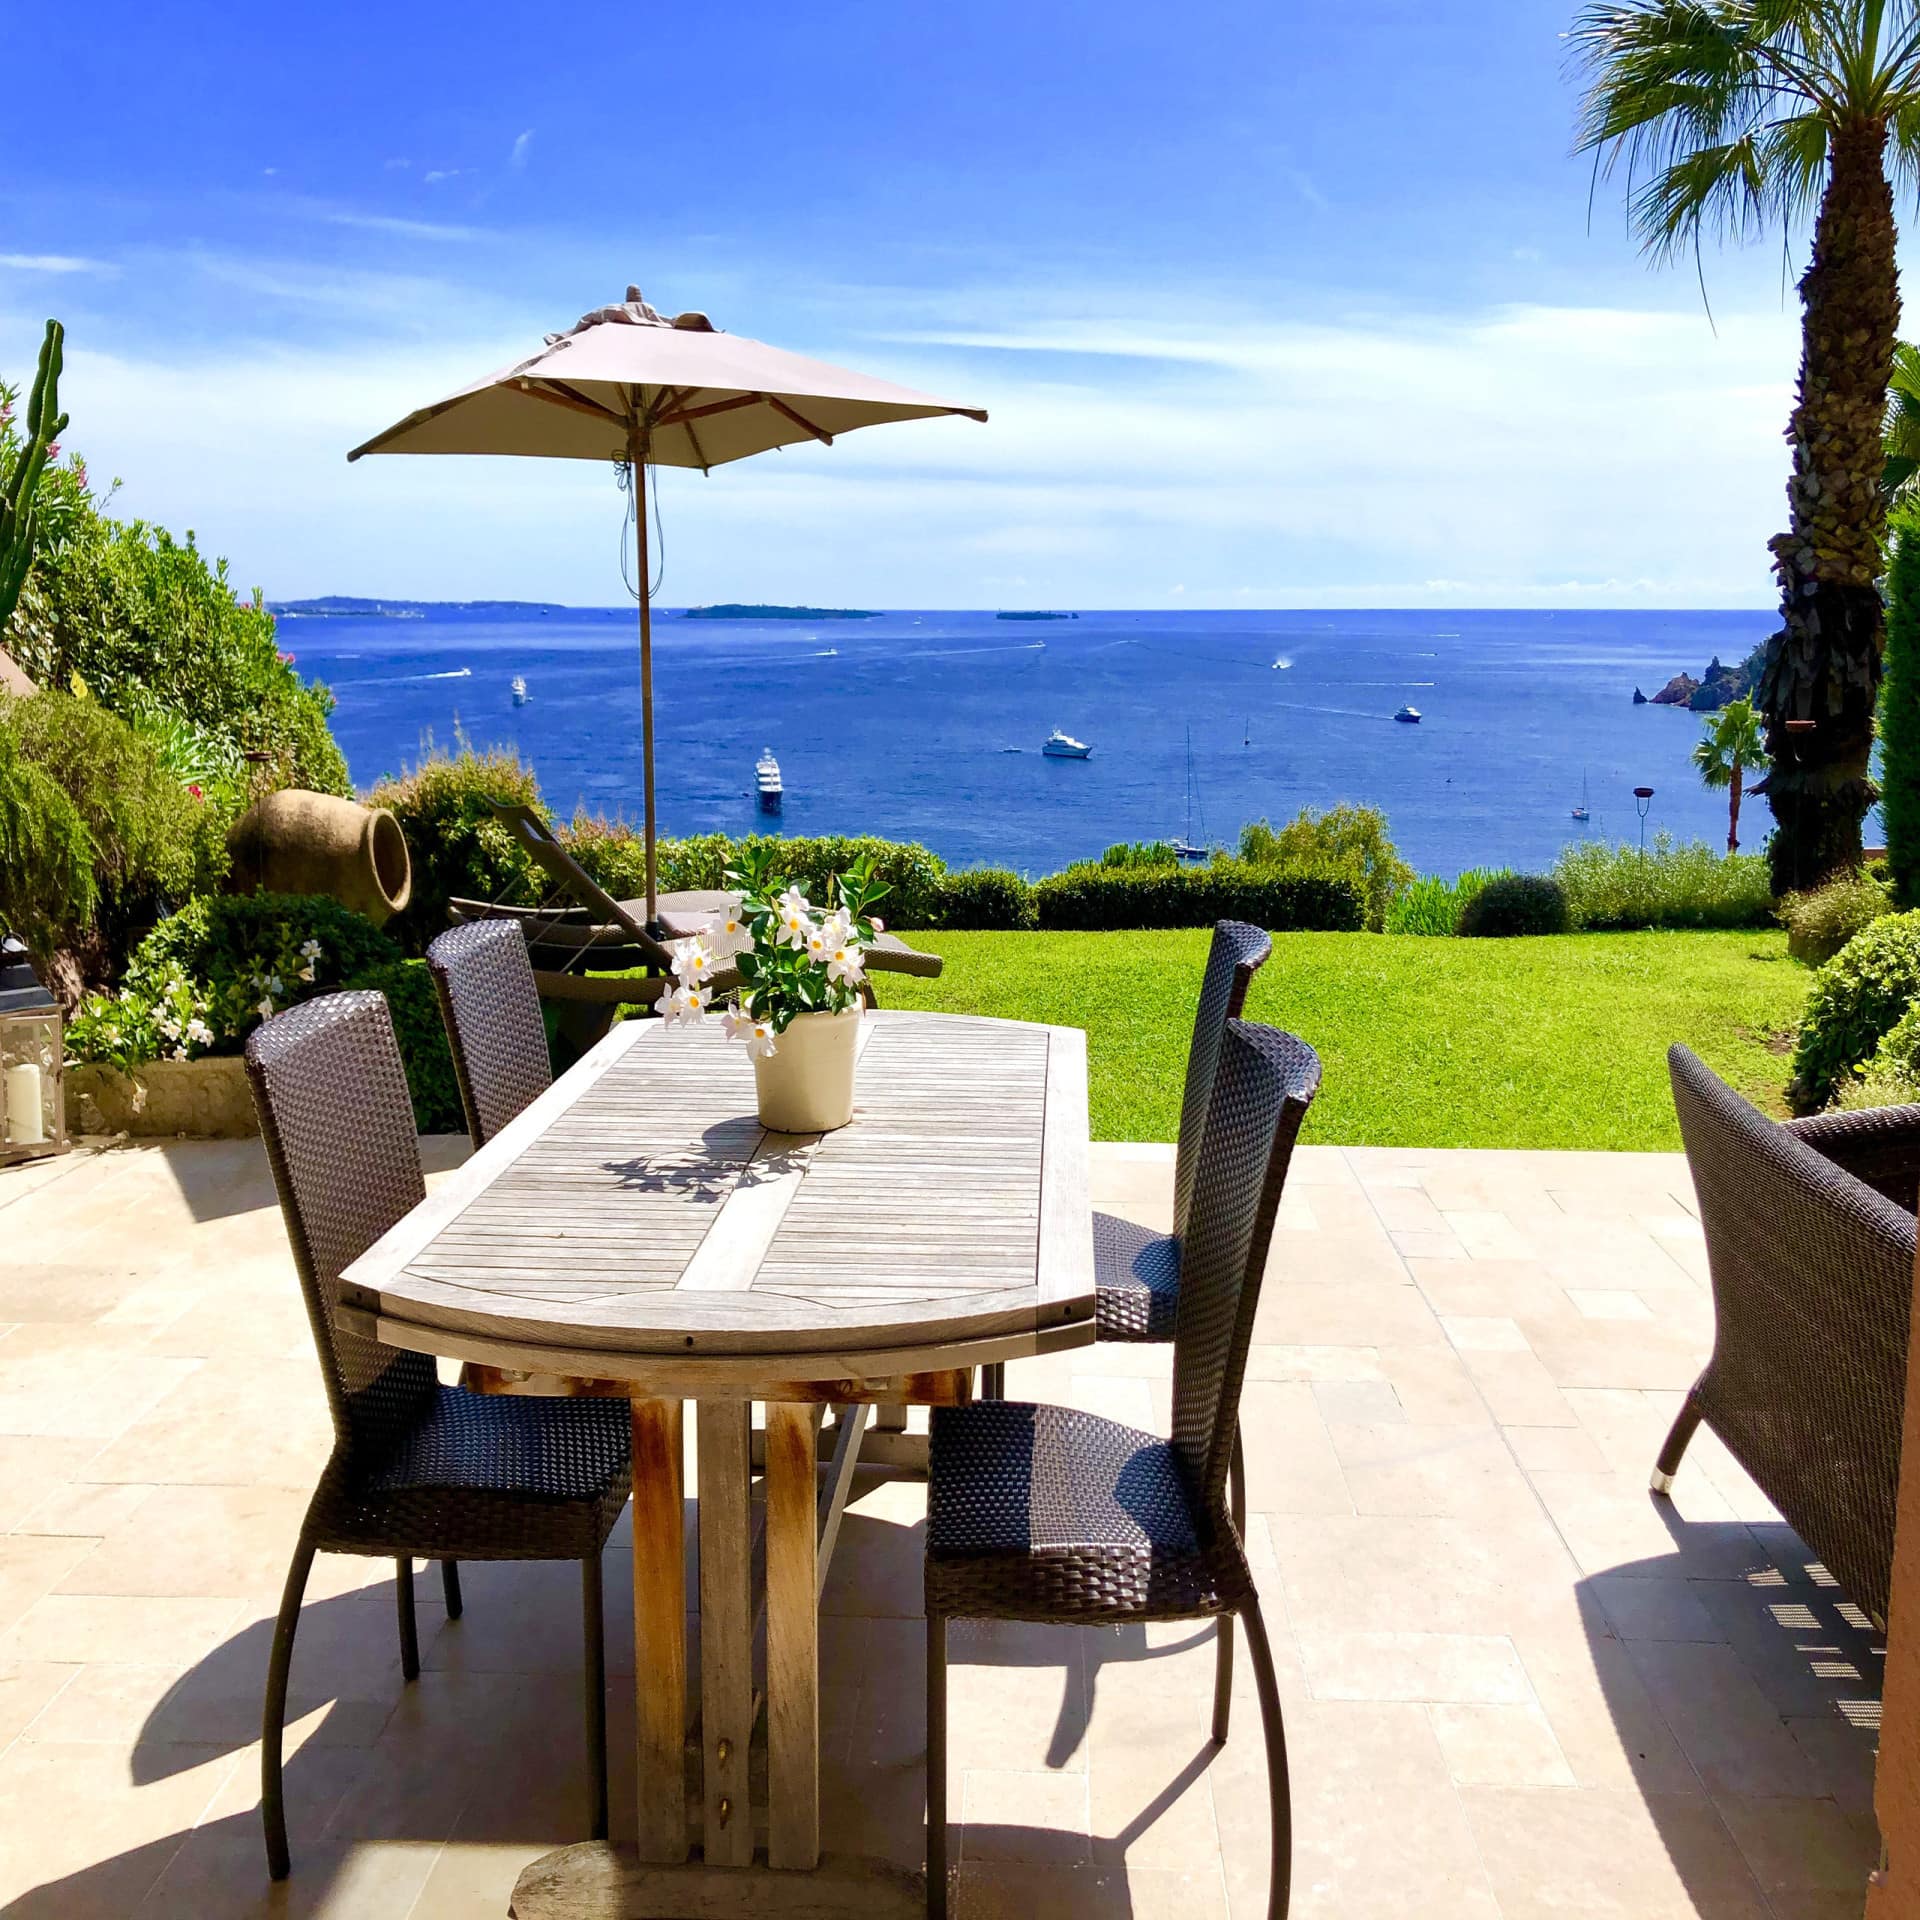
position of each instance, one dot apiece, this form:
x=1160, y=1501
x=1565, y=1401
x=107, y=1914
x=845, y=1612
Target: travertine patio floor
x=1515, y=1685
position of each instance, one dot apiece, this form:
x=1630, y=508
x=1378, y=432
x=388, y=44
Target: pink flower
x=286, y=659
x=193, y=787
x=80, y=470
x=53, y=449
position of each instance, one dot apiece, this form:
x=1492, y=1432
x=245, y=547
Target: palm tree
x=1730, y=749
x=1900, y=476
x=1733, y=117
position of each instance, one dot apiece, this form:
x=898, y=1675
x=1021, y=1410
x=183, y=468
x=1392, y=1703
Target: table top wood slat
x=638, y=1208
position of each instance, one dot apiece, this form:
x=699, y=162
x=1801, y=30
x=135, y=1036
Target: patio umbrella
x=630, y=384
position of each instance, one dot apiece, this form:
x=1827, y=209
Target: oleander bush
x=1621, y=889
x=988, y=900
x=109, y=840
x=1342, y=836
x=1515, y=904
x=1855, y=1001
x=444, y=805
x=1432, y=906
x=1089, y=898
x=1820, y=922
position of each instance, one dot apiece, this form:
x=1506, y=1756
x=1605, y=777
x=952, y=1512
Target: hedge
x=1282, y=899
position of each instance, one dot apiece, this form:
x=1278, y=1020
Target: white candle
x=25, y=1127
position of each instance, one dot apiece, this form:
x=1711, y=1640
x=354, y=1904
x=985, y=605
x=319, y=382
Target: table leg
x=660, y=1630
x=793, y=1638
x=726, y=1630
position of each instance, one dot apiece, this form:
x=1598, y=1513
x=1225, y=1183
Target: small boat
x=828, y=653
x=1409, y=716
x=520, y=694
x=1186, y=847
x=1281, y=663
x=1063, y=746
x=1583, y=811
x=766, y=773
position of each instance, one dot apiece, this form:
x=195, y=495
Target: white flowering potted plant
x=802, y=973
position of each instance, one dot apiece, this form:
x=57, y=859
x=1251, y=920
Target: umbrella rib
x=558, y=394
x=693, y=440
x=799, y=420
x=713, y=406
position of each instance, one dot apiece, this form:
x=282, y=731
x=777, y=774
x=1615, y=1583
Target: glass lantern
x=33, y=1112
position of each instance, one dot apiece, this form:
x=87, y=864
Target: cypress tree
x=1900, y=719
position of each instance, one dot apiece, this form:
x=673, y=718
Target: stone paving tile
x=1515, y=1683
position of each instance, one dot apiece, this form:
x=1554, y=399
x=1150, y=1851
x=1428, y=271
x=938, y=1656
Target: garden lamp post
x=1643, y=799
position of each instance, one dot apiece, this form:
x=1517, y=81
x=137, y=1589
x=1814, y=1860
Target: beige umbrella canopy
x=629, y=384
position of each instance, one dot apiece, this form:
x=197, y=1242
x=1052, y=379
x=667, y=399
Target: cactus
x=17, y=497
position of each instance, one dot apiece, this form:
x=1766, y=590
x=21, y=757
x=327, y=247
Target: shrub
x=422, y=1034
x=148, y=842
x=1433, y=906
x=1821, y=922
x=1281, y=899
x=134, y=612
x=445, y=808
x=614, y=853
x=989, y=899
x=1140, y=853
x=1900, y=719
x=1514, y=904
x=1619, y=888
x=1855, y=1000
x=1342, y=836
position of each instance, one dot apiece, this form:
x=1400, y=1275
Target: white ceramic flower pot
x=806, y=1084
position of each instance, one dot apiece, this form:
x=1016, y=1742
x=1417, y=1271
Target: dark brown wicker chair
x=1810, y=1246
x=1044, y=1513
x=418, y=1469
x=492, y=1013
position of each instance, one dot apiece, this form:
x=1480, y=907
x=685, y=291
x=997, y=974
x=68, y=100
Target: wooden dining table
x=636, y=1232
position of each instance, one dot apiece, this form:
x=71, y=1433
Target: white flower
x=879, y=925
x=310, y=950
x=837, y=925
x=793, y=901
x=688, y=1004
x=692, y=961
x=199, y=1033
x=276, y=986
x=266, y=1009
x=847, y=963
x=306, y=972
x=821, y=942
x=760, y=1040
x=796, y=929
x=734, y=1022
x=179, y=1053
x=726, y=923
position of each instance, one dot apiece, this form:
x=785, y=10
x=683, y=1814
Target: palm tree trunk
x=1823, y=665
x=1733, y=810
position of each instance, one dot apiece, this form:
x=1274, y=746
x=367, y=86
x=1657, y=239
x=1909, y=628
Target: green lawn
x=1426, y=1042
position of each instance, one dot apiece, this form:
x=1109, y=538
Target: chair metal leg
x=936, y=1767
x=594, y=1611
x=1678, y=1435
x=273, y=1812
x=450, y=1586
x=1223, y=1645
x=409, y=1636
x=1279, y=1795
x=993, y=1380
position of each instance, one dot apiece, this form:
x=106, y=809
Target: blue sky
x=1273, y=305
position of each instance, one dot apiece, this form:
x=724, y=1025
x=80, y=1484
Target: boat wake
x=406, y=679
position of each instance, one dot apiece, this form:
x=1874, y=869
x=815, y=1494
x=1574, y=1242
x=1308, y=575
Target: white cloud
x=399, y=227
x=53, y=263
x=437, y=174
x=518, y=157
x=1520, y=456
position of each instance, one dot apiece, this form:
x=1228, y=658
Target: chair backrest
x=1264, y=1084
x=492, y=1010
x=333, y=1105
x=1238, y=952
x=539, y=842
x=1812, y=1275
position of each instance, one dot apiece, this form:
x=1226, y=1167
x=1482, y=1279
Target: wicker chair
x=1136, y=1270
x=1045, y=1513
x=418, y=1469
x=1810, y=1246
x=492, y=1011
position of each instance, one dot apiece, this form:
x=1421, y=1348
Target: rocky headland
x=1721, y=685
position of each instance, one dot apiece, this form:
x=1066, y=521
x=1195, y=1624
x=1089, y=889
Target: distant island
x=1036, y=616
x=345, y=606
x=729, y=610
x=1721, y=685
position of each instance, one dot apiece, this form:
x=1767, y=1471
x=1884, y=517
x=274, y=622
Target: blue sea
x=928, y=726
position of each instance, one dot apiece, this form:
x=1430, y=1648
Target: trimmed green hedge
x=1515, y=903
x=1281, y=899
x=1856, y=999
x=987, y=900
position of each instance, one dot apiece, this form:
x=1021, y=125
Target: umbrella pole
x=637, y=458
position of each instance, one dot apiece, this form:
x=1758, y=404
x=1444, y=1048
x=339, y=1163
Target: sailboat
x=1185, y=847
x=1583, y=811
